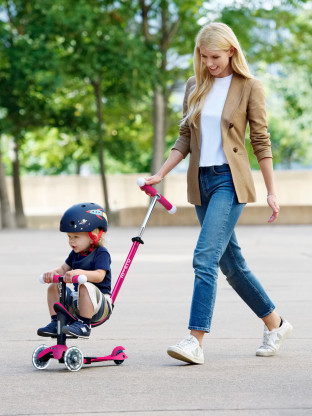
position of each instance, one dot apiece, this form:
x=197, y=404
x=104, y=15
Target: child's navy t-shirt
x=97, y=259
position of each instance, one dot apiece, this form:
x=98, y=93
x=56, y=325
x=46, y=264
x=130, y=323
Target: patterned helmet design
x=84, y=217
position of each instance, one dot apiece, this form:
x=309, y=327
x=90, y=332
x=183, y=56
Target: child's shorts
x=101, y=302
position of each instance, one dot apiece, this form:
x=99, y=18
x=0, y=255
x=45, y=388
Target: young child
x=85, y=225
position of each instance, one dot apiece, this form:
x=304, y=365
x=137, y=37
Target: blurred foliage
x=52, y=53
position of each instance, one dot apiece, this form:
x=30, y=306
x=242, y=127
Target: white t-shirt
x=211, y=142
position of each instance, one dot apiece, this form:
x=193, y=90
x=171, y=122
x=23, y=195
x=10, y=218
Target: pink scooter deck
x=58, y=350
x=116, y=355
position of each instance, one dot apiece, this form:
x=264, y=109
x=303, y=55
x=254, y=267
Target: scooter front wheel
x=73, y=359
x=40, y=363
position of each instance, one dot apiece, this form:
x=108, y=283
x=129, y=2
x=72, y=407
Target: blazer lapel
x=197, y=130
x=232, y=101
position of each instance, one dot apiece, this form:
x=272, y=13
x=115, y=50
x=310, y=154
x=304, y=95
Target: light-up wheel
x=43, y=362
x=73, y=359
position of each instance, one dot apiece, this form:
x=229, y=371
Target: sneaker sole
x=67, y=332
x=46, y=334
x=183, y=356
x=271, y=353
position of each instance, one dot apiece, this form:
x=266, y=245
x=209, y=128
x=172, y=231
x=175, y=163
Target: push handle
x=76, y=279
x=152, y=191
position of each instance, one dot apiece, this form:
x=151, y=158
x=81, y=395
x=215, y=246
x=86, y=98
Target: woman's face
x=217, y=62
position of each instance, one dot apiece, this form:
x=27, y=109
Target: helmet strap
x=95, y=239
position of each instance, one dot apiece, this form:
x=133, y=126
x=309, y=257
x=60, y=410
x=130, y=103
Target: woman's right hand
x=173, y=160
x=153, y=180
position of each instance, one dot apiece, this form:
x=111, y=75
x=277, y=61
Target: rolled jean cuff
x=267, y=314
x=197, y=328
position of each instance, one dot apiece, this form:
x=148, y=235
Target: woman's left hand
x=272, y=202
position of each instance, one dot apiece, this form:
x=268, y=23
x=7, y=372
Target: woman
x=219, y=101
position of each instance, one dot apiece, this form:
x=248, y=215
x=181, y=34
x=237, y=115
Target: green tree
x=96, y=45
x=289, y=116
x=20, y=97
x=169, y=28
x=276, y=39
x=79, y=78
x=65, y=142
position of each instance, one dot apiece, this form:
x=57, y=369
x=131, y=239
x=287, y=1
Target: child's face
x=79, y=241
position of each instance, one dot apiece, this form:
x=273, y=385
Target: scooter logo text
x=124, y=270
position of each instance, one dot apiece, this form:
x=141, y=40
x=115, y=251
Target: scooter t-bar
x=138, y=240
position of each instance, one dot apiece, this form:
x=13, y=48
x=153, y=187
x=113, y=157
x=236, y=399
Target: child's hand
x=68, y=276
x=48, y=276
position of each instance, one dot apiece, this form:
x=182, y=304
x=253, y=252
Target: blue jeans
x=217, y=246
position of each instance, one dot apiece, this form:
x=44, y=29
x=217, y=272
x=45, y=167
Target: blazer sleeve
x=256, y=113
x=183, y=141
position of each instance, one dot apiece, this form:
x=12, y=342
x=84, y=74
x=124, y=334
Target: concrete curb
x=185, y=216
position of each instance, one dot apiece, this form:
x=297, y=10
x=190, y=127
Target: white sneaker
x=187, y=350
x=273, y=339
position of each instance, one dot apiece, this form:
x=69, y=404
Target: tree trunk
x=78, y=168
x=98, y=95
x=18, y=200
x=7, y=219
x=160, y=130
x=168, y=30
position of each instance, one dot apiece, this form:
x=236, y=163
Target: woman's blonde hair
x=215, y=36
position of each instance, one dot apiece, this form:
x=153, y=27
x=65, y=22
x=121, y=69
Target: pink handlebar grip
x=152, y=191
x=76, y=279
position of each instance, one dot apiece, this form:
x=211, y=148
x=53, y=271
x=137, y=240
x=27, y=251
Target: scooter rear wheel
x=119, y=362
x=73, y=359
x=42, y=363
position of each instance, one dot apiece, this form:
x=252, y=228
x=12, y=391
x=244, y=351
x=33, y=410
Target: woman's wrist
x=161, y=174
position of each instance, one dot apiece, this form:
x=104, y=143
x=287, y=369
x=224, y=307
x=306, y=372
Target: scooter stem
x=148, y=214
x=136, y=242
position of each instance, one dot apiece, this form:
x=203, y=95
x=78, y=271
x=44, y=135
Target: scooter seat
x=59, y=308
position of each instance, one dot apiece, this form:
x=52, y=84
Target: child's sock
x=86, y=321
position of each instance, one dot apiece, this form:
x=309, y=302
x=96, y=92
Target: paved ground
x=152, y=313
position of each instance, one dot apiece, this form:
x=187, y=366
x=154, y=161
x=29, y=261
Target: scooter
x=73, y=357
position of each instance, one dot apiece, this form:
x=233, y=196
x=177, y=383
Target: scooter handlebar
x=76, y=279
x=152, y=191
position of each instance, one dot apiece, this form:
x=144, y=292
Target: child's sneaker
x=77, y=329
x=49, y=330
x=273, y=339
x=187, y=350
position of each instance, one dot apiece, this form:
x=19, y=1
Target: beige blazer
x=245, y=102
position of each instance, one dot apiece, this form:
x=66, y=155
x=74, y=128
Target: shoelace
x=267, y=341
x=266, y=337
x=186, y=342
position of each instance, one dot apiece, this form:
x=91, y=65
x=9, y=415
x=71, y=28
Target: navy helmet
x=84, y=217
